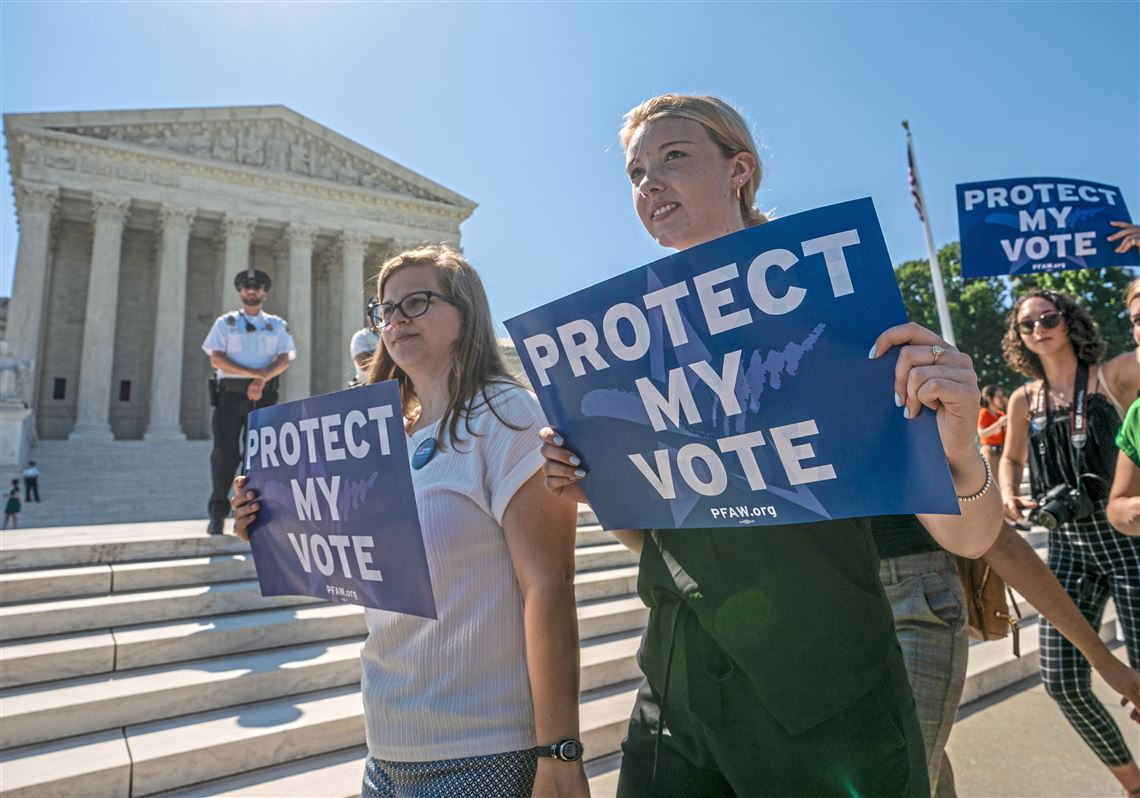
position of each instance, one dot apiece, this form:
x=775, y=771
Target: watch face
x=569, y=750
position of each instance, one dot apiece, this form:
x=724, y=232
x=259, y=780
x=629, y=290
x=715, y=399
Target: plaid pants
x=1093, y=562
x=930, y=622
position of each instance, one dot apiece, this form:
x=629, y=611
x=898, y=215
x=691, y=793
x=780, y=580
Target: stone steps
x=176, y=694
x=152, y=649
x=174, y=478
x=33, y=713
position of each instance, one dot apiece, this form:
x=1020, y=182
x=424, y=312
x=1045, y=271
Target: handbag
x=988, y=614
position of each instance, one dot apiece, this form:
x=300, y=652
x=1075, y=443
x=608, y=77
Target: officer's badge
x=269, y=327
x=231, y=320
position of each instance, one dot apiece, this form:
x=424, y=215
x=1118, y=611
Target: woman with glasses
x=1063, y=422
x=455, y=706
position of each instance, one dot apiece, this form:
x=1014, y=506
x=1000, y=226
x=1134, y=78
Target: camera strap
x=1078, y=414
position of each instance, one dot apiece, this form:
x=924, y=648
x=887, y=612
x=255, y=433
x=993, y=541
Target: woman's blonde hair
x=1131, y=292
x=476, y=361
x=725, y=126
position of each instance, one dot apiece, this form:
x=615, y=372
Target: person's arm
x=1013, y=457
x=1122, y=376
x=278, y=366
x=220, y=360
x=993, y=429
x=1015, y=561
x=540, y=530
x=948, y=386
x=1124, y=497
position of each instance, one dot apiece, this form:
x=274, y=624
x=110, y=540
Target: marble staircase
x=87, y=482
x=141, y=660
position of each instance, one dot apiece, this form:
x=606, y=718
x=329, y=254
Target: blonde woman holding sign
x=770, y=655
x=454, y=707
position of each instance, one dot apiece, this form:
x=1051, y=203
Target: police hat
x=252, y=276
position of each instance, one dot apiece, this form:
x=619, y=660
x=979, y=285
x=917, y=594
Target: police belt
x=241, y=384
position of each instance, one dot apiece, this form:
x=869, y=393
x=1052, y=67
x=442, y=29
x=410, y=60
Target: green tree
x=978, y=307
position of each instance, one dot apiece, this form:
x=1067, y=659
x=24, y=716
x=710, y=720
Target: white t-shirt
x=459, y=686
x=253, y=348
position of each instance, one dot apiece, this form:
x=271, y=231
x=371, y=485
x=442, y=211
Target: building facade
x=132, y=226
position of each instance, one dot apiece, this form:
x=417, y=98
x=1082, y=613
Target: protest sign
x=729, y=384
x=1028, y=225
x=337, y=517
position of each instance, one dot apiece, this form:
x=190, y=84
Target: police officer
x=363, y=345
x=248, y=349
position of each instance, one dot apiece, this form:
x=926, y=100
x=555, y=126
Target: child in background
x=12, y=506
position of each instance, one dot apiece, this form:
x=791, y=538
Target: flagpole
x=935, y=270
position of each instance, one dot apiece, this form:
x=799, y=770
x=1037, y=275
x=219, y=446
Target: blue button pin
x=424, y=453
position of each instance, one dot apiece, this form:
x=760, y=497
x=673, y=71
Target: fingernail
x=558, y=440
x=580, y=473
x=253, y=507
x=898, y=402
x=575, y=460
x=906, y=413
x=871, y=354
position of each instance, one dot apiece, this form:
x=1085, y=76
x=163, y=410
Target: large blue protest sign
x=729, y=384
x=1027, y=225
x=337, y=516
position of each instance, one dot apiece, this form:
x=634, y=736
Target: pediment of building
x=271, y=138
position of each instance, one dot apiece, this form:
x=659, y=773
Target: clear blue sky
x=516, y=105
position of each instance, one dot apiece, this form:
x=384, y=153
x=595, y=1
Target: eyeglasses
x=1046, y=320
x=414, y=304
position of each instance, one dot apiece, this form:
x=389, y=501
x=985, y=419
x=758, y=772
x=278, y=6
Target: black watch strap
x=568, y=750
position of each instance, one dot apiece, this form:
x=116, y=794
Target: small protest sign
x=730, y=383
x=337, y=517
x=1028, y=225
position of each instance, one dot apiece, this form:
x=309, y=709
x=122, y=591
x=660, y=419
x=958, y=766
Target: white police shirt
x=254, y=349
x=363, y=340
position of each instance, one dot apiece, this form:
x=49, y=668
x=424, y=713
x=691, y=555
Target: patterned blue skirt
x=507, y=775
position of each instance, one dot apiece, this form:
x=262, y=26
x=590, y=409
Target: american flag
x=912, y=176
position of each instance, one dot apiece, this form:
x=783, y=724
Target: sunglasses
x=413, y=305
x=1047, y=320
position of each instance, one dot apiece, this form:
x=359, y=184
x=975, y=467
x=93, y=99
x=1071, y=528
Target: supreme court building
x=132, y=227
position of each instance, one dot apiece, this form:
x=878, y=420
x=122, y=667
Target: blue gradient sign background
x=807, y=364
x=374, y=500
x=1030, y=225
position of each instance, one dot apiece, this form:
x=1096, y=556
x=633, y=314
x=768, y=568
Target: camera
x=1061, y=504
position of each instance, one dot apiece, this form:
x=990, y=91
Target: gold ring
x=938, y=352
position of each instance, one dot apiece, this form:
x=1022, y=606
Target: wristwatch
x=568, y=750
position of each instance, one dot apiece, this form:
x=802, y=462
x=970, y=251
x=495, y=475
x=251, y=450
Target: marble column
x=35, y=204
x=299, y=378
x=108, y=216
x=353, y=290
x=237, y=232
x=170, y=319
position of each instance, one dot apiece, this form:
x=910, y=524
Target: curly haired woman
x=1064, y=422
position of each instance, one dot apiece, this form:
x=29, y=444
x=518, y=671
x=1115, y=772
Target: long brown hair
x=1088, y=346
x=476, y=361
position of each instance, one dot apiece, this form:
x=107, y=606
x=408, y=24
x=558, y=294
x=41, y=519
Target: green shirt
x=1128, y=438
x=797, y=609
